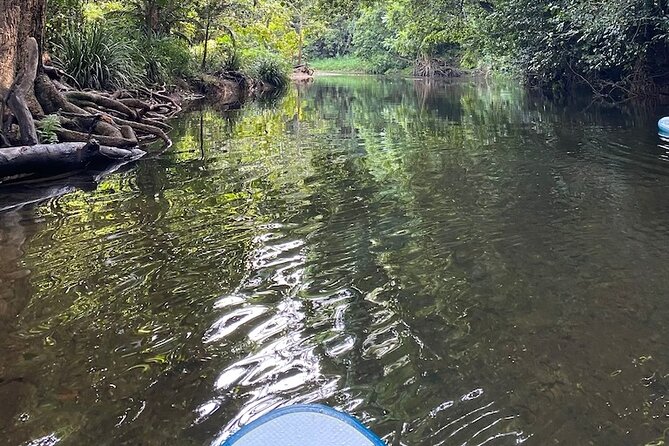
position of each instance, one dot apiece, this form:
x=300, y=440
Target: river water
x=455, y=264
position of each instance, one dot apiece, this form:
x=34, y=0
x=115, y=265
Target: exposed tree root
x=114, y=141
x=17, y=98
x=137, y=104
x=637, y=84
x=82, y=98
x=160, y=124
x=430, y=67
x=146, y=129
x=119, y=119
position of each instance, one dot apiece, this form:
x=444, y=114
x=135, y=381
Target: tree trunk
x=152, y=18
x=22, y=89
x=301, y=42
x=19, y=21
x=206, y=42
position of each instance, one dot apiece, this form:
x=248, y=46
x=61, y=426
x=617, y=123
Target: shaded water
x=462, y=264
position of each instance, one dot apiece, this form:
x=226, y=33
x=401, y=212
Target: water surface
x=459, y=264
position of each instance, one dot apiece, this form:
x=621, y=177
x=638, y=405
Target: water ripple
x=459, y=264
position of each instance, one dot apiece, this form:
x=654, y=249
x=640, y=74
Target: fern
x=47, y=129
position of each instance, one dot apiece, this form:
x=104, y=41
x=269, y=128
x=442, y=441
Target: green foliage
x=62, y=15
x=221, y=56
x=97, y=57
x=334, y=40
x=155, y=41
x=345, y=64
x=166, y=58
x=621, y=44
x=108, y=55
x=392, y=34
x=581, y=39
x=271, y=71
x=373, y=41
x=265, y=32
x=425, y=29
x=157, y=18
x=47, y=128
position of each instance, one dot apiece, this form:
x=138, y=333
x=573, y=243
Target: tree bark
x=301, y=41
x=206, y=42
x=19, y=21
x=22, y=88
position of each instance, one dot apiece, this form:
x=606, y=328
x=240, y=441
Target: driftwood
x=52, y=159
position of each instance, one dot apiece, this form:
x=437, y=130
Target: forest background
x=611, y=46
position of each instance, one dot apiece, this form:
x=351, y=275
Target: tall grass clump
x=271, y=71
x=98, y=58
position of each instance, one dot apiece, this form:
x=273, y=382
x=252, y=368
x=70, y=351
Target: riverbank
x=71, y=129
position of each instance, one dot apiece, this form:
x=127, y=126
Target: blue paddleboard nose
x=304, y=425
x=663, y=126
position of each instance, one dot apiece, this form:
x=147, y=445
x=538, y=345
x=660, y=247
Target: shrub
x=271, y=71
x=374, y=40
x=612, y=44
x=334, y=41
x=344, y=64
x=98, y=58
x=166, y=58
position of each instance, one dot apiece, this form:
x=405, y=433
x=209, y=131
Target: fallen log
x=49, y=159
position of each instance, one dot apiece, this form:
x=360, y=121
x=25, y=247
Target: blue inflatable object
x=304, y=425
x=663, y=126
